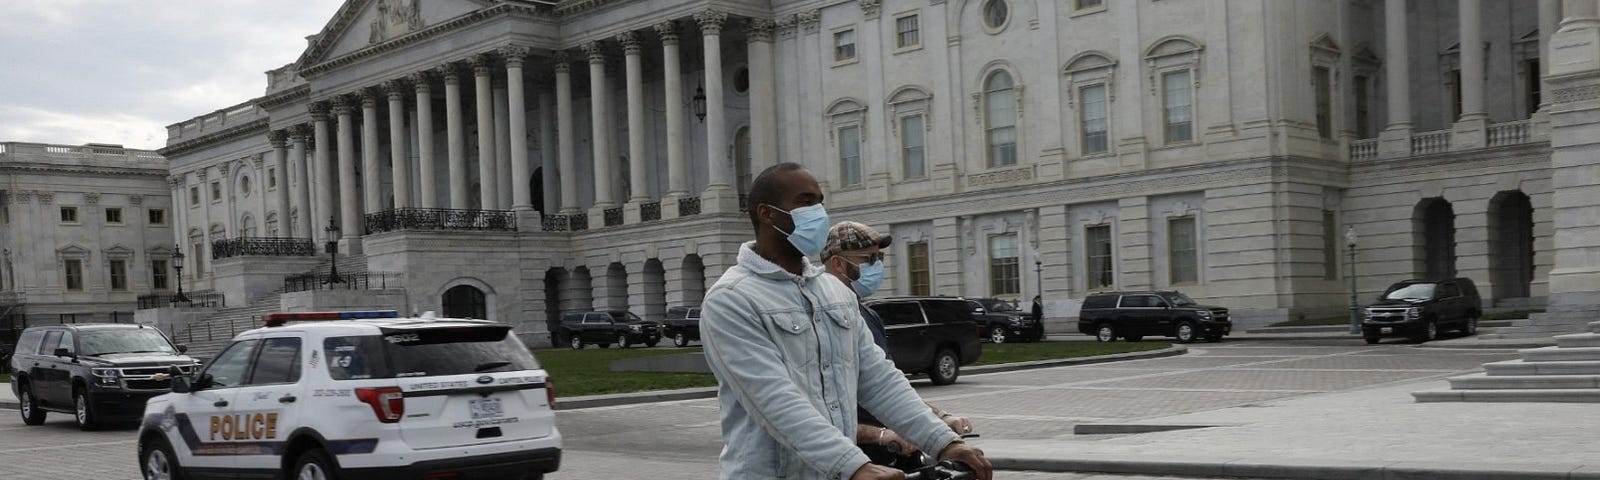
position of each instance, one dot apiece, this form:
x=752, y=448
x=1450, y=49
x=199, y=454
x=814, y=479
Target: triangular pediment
x=1326, y=44
x=360, y=24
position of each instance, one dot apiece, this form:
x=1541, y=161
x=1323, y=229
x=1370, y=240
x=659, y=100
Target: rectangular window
x=1176, y=107
x=1184, y=266
x=119, y=275
x=1097, y=242
x=1092, y=119
x=158, y=274
x=74, y=275
x=158, y=216
x=850, y=156
x=1363, y=115
x=1532, y=85
x=1002, y=132
x=1455, y=95
x=1004, y=275
x=194, y=197
x=919, y=268
x=278, y=362
x=911, y=152
x=216, y=191
x=272, y=178
x=114, y=216
x=907, y=32
x=1321, y=82
x=844, y=45
x=198, y=258
x=1330, y=246
x=69, y=214
x=1088, y=4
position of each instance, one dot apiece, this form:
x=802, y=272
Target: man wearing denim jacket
x=792, y=356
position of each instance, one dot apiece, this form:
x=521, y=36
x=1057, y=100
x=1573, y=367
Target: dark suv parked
x=98, y=372
x=1134, y=315
x=932, y=335
x=1003, y=322
x=1419, y=309
x=682, y=325
x=605, y=328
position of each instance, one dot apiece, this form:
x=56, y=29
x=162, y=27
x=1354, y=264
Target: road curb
x=1297, y=469
x=611, y=400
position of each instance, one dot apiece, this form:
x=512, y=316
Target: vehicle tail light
x=550, y=391
x=386, y=402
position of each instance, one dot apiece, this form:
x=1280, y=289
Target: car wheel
x=577, y=343
x=622, y=340
x=1430, y=332
x=1105, y=333
x=83, y=408
x=28, y=406
x=1471, y=327
x=946, y=367
x=157, y=462
x=997, y=335
x=1185, y=332
x=314, y=465
x=679, y=339
x=1371, y=340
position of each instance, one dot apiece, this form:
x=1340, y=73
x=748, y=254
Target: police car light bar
x=276, y=319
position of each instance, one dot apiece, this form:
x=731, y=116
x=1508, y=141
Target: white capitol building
x=517, y=159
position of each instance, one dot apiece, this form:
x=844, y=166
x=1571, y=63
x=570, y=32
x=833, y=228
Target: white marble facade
x=1217, y=147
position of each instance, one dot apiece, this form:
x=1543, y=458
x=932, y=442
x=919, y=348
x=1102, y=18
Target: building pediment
x=361, y=25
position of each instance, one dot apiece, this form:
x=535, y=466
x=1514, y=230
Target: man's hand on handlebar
x=971, y=456
x=872, y=471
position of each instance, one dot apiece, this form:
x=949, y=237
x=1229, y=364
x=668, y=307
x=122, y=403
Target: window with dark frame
x=194, y=197
x=844, y=45
x=918, y=267
x=908, y=32
x=1177, y=107
x=911, y=143
x=1088, y=4
x=1533, y=85
x=216, y=191
x=119, y=275
x=69, y=214
x=1323, y=89
x=113, y=215
x=1097, y=243
x=1004, y=273
x=74, y=271
x=158, y=274
x=1455, y=95
x=1363, y=114
x=1092, y=119
x=1000, y=102
x=850, y=156
x=1183, y=263
x=157, y=216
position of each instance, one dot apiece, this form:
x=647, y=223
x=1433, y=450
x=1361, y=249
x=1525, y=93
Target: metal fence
x=201, y=299
x=688, y=206
x=344, y=281
x=262, y=246
x=440, y=219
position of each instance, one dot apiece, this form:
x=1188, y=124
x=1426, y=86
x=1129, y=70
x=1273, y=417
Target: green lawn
x=5, y=378
x=588, y=371
x=1314, y=322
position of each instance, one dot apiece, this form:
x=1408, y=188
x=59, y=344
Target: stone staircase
x=206, y=339
x=1567, y=372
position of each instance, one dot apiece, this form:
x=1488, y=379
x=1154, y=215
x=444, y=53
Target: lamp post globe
x=333, y=251
x=177, y=265
x=1355, y=306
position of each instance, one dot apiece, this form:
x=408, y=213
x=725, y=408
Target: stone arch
x=653, y=284
x=1511, y=267
x=845, y=105
x=578, y=293
x=693, y=275
x=247, y=225
x=554, y=278
x=909, y=93
x=616, y=292
x=1088, y=60
x=467, y=297
x=1434, y=230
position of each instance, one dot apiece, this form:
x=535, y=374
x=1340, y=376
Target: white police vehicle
x=371, y=396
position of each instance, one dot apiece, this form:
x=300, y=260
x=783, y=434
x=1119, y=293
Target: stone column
x=399, y=167
x=763, y=101
x=372, y=172
x=280, y=163
x=677, y=167
x=488, y=183
x=502, y=145
x=456, y=138
x=599, y=120
x=521, y=194
x=302, y=183
x=1470, y=131
x=324, y=165
x=547, y=151
x=429, y=191
x=1395, y=140
x=564, y=131
x=1575, y=157
x=639, y=188
x=716, y=135
x=1549, y=21
x=349, y=203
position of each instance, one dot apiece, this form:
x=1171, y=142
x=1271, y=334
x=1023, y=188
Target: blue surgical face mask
x=871, y=278
x=810, y=233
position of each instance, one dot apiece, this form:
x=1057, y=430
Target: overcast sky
x=120, y=71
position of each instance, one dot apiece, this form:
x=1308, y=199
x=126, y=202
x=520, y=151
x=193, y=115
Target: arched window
x=995, y=14
x=247, y=226
x=1000, y=129
x=465, y=301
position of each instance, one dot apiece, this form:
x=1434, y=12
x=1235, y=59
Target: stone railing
x=613, y=217
x=262, y=247
x=1364, y=149
x=344, y=281
x=440, y=219
x=215, y=121
x=650, y=211
x=1510, y=133
x=1430, y=142
x=22, y=150
x=688, y=206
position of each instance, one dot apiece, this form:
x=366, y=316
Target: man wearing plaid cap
x=853, y=246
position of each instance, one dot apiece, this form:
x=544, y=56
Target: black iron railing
x=613, y=217
x=555, y=223
x=744, y=202
x=649, y=211
x=440, y=219
x=580, y=222
x=262, y=246
x=688, y=206
x=202, y=299
x=344, y=281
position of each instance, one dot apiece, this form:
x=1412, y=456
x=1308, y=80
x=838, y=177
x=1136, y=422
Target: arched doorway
x=694, y=280
x=536, y=185
x=553, y=279
x=1511, y=244
x=654, y=286
x=1435, y=225
x=577, y=294
x=616, y=287
x=465, y=301
x=741, y=160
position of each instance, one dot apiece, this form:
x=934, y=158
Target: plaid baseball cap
x=848, y=235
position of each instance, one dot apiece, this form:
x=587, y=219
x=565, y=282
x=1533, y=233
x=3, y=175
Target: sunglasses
x=871, y=258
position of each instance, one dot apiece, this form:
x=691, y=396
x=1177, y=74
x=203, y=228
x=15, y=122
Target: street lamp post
x=1038, y=277
x=333, y=251
x=177, y=264
x=1355, y=306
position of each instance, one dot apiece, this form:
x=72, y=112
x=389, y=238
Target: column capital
x=175, y=180
x=300, y=132
x=596, y=52
x=370, y=96
x=563, y=61
x=222, y=169
x=871, y=8
x=201, y=175
x=319, y=110
x=630, y=42
x=396, y=88
x=514, y=55
x=451, y=73
x=759, y=30
x=668, y=31
x=278, y=138
x=711, y=21
x=342, y=104
x=481, y=63
x=809, y=20
x=419, y=80
x=787, y=25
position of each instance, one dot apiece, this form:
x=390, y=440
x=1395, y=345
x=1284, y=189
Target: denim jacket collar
x=749, y=259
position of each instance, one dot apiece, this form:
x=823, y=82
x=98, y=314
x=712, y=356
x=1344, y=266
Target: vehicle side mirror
x=183, y=348
x=62, y=352
x=199, y=384
x=180, y=382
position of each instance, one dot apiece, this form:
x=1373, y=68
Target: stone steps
x=1568, y=372
x=1591, y=395
x=1560, y=354
x=1522, y=367
x=1578, y=340
x=1484, y=381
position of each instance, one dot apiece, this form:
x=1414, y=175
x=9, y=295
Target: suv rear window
x=426, y=353
x=1100, y=301
x=947, y=311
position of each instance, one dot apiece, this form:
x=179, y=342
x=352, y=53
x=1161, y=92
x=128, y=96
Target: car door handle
x=220, y=403
x=286, y=399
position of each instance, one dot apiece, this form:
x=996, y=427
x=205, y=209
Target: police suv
x=367, y=396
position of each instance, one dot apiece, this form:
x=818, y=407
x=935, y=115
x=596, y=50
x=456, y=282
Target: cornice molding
x=286, y=97
x=321, y=47
x=257, y=127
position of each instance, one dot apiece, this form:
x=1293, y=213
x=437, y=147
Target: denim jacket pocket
x=799, y=342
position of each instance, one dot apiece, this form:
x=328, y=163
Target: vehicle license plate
x=1388, y=330
x=486, y=408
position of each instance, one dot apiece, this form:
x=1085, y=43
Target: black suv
x=682, y=325
x=932, y=335
x=1418, y=309
x=1134, y=315
x=605, y=328
x=1003, y=322
x=99, y=372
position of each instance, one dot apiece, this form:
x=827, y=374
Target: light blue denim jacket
x=792, y=356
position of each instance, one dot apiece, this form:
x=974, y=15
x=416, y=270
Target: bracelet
x=881, y=431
